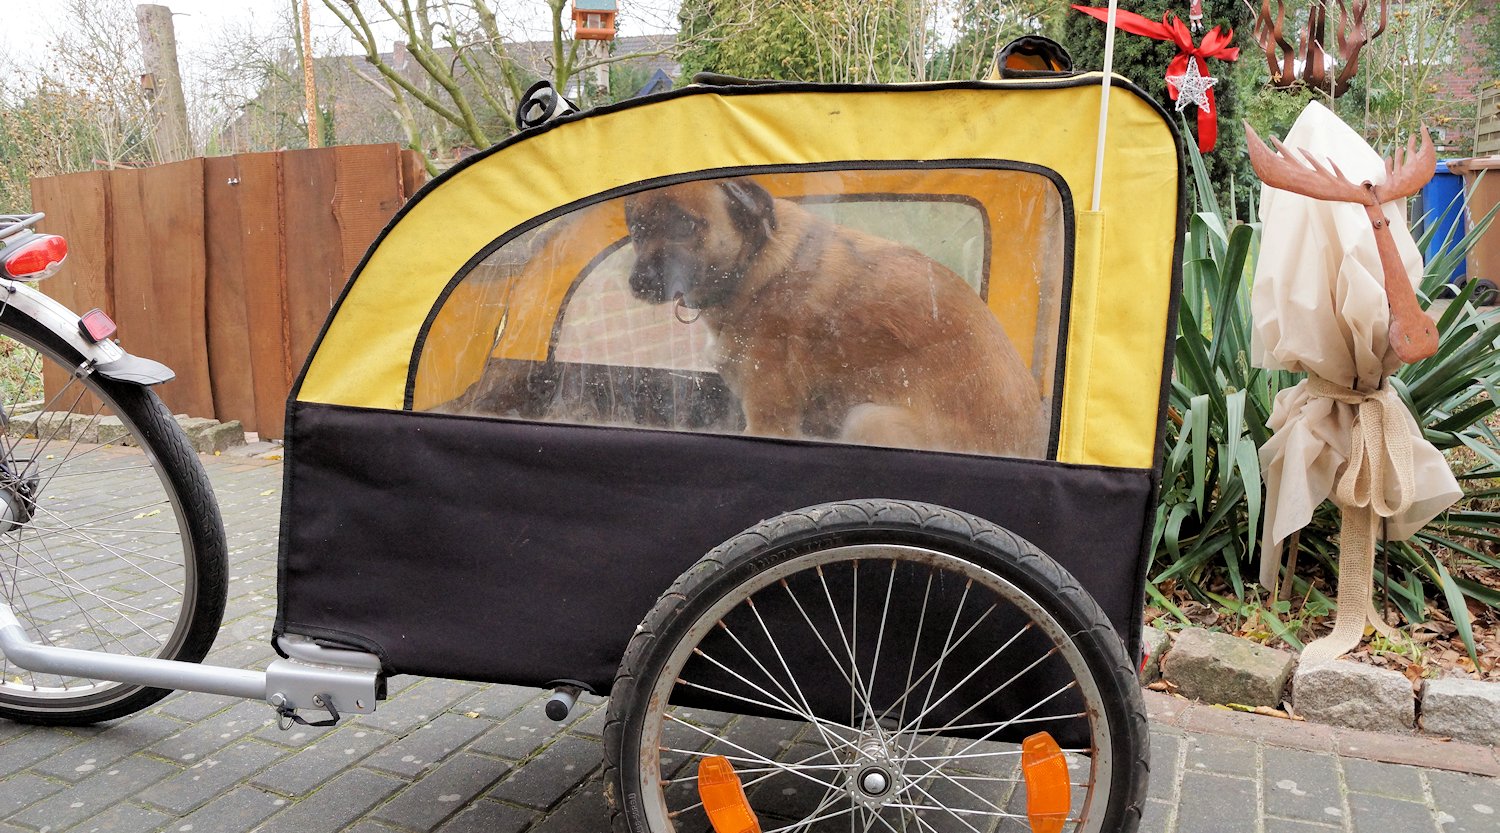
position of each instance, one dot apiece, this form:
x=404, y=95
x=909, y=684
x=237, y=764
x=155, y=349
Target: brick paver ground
x=455, y=756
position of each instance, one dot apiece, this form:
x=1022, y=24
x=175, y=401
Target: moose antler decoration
x=1308, y=63
x=1413, y=335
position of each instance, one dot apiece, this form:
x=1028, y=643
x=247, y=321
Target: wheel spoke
x=97, y=549
x=753, y=755
x=973, y=675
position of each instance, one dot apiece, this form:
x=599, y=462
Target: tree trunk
x=169, y=122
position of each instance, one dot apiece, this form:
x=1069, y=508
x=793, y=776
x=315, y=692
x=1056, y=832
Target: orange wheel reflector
x=724, y=797
x=1048, y=796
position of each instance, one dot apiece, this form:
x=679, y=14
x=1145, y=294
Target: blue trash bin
x=1442, y=206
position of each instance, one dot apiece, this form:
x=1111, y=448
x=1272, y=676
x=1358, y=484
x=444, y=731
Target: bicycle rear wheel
x=875, y=665
x=110, y=539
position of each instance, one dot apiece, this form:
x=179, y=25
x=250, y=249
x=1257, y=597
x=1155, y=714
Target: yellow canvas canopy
x=1119, y=283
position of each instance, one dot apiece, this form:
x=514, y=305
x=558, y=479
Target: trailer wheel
x=875, y=663
x=110, y=539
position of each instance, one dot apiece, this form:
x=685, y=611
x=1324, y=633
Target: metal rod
x=148, y=671
x=1109, y=69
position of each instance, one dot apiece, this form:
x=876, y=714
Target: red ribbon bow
x=1171, y=28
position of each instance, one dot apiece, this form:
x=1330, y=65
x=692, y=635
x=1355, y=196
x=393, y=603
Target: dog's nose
x=645, y=286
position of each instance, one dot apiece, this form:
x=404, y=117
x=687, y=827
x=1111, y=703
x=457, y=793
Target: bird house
x=594, y=19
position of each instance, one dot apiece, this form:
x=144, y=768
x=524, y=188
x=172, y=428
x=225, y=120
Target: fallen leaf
x=268, y=492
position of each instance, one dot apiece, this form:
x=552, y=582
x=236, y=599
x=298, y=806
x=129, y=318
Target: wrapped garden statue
x=1333, y=298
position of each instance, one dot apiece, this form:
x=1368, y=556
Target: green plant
x=1208, y=522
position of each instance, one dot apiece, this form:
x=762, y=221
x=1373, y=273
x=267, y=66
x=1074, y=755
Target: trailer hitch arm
x=351, y=686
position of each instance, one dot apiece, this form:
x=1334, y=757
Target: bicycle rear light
x=724, y=797
x=1048, y=796
x=35, y=259
x=96, y=326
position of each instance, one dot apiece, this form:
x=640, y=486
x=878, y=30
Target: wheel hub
x=17, y=501
x=874, y=782
x=874, y=777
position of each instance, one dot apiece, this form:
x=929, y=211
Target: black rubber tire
x=202, y=611
x=1486, y=293
x=877, y=522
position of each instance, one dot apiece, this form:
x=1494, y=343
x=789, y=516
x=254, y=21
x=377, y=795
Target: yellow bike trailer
x=837, y=408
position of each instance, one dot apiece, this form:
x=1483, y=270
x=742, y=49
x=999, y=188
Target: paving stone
x=592, y=724
x=1346, y=693
x=583, y=810
x=24, y=750
x=519, y=736
x=210, y=776
x=22, y=790
x=193, y=706
x=126, y=818
x=547, y=777
x=428, y=745
x=214, y=733
x=442, y=792
x=95, y=794
x=1275, y=825
x=113, y=744
x=371, y=827
x=297, y=737
x=1164, y=774
x=1215, y=804
x=1156, y=818
x=490, y=817
x=303, y=772
x=1226, y=756
x=336, y=805
x=416, y=705
x=1466, y=803
x=1389, y=780
x=1155, y=642
x=1302, y=785
x=705, y=717
x=500, y=701
x=763, y=736
x=238, y=810
x=1378, y=814
x=1464, y=709
x=1218, y=668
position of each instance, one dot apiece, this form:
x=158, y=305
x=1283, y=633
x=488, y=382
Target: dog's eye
x=684, y=227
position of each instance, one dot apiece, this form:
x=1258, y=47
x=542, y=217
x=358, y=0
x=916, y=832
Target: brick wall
x=1459, y=87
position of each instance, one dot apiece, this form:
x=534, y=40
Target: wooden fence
x=224, y=268
x=1487, y=129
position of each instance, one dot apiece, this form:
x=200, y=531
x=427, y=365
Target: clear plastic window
x=902, y=308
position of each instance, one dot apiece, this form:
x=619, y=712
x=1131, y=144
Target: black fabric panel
x=525, y=553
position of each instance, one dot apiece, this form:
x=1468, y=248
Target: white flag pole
x=1109, y=68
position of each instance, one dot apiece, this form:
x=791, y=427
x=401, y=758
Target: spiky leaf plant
x=1212, y=502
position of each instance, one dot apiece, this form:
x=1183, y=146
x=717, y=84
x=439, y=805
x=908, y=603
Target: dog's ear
x=751, y=207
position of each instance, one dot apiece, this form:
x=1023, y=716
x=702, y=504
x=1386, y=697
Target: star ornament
x=1192, y=88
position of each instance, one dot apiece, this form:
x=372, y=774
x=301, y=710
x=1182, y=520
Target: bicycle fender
x=105, y=357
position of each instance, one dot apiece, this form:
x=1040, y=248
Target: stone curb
x=1219, y=668
x=207, y=436
x=1418, y=751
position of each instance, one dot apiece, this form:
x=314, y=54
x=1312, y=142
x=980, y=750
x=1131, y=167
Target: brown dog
x=825, y=331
